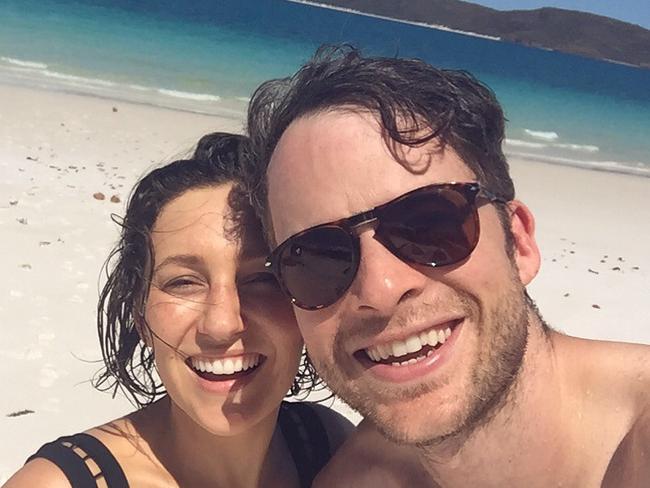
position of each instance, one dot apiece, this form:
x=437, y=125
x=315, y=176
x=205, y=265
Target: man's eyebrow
x=180, y=259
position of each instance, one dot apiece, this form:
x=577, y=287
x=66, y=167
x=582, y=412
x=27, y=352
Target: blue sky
x=634, y=11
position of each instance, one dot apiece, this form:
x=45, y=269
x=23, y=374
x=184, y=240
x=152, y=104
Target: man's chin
x=410, y=416
x=401, y=426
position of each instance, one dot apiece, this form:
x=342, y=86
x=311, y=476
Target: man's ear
x=526, y=252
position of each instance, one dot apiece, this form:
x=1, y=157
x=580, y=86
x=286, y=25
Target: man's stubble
x=502, y=336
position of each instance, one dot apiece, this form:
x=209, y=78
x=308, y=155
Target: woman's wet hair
x=128, y=363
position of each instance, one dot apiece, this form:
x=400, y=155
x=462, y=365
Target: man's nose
x=221, y=318
x=384, y=280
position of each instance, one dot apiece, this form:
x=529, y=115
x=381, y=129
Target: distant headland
x=568, y=31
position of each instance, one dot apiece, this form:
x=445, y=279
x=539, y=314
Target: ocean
x=209, y=55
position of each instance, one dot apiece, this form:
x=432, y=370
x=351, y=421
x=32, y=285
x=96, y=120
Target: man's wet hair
x=128, y=364
x=415, y=103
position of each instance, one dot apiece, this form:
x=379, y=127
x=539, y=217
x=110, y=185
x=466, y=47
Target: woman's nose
x=221, y=319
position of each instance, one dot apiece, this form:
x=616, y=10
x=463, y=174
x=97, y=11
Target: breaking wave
x=201, y=97
x=27, y=72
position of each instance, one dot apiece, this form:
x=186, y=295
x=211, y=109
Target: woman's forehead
x=203, y=220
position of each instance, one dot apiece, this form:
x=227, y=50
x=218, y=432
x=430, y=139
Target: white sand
x=56, y=237
x=51, y=264
x=592, y=229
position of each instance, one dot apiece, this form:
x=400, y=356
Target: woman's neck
x=195, y=457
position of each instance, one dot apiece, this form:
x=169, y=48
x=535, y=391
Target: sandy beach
x=57, y=150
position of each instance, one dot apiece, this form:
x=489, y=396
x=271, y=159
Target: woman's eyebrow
x=251, y=263
x=180, y=259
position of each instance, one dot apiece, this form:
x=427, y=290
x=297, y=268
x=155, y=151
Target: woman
x=188, y=310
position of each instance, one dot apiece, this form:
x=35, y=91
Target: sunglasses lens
x=436, y=228
x=317, y=267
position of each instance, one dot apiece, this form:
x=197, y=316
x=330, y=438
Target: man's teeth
x=414, y=343
x=228, y=365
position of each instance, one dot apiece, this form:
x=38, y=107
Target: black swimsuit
x=302, y=429
x=64, y=452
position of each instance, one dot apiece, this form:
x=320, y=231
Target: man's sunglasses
x=436, y=225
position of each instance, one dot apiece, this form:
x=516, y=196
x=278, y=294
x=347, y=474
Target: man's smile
x=412, y=356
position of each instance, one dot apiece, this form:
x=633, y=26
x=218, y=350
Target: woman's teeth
x=408, y=346
x=226, y=366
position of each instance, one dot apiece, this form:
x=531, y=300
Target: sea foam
x=538, y=134
x=578, y=147
x=23, y=63
x=520, y=143
x=201, y=97
x=78, y=79
x=587, y=148
x=635, y=168
x=26, y=73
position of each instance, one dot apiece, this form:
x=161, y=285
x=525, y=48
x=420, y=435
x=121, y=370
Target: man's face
x=336, y=164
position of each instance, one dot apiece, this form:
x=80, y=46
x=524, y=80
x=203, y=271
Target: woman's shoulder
x=78, y=459
x=38, y=472
x=337, y=426
x=69, y=461
x=320, y=418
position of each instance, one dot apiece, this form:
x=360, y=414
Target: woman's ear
x=526, y=252
x=142, y=328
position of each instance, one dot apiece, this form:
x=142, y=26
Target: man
x=388, y=203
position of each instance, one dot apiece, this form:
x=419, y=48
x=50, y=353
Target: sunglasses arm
x=491, y=197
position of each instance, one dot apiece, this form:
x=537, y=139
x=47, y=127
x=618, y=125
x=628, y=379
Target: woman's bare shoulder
x=127, y=436
x=38, y=472
x=119, y=436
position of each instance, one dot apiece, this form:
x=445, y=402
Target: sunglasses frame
x=473, y=191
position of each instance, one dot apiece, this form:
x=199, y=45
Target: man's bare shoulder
x=629, y=465
x=620, y=370
x=368, y=459
x=610, y=385
x=641, y=433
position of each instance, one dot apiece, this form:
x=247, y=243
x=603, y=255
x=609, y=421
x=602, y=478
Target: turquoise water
x=208, y=56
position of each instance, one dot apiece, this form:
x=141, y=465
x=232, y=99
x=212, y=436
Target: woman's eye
x=181, y=285
x=259, y=279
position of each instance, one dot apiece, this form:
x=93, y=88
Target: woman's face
x=225, y=340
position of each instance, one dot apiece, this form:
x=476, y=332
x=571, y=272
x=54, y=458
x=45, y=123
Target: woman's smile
x=225, y=374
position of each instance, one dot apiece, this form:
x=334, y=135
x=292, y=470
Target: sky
x=633, y=11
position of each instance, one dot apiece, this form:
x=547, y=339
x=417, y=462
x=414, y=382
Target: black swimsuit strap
x=75, y=467
x=306, y=438
x=68, y=461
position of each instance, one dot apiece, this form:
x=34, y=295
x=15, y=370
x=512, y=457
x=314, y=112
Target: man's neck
x=529, y=441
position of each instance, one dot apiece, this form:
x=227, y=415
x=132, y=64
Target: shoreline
x=609, y=167
x=222, y=113
x=36, y=75
x=236, y=110
x=58, y=149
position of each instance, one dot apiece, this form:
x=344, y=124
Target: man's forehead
x=323, y=148
x=335, y=164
